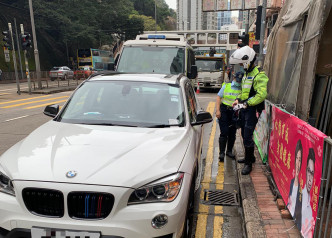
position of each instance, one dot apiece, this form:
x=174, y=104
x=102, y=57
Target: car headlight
x=6, y=185
x=163, y=190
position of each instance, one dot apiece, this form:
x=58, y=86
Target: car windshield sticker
x=174, y=98
x=173, y=121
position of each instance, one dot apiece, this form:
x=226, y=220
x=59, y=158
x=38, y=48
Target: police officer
x=226, y=97
x=252, y=96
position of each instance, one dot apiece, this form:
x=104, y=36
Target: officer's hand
x=235, y=103
x=218, y=114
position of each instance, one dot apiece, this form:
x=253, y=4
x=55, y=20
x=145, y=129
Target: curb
x=51, y=90
x=252, y=217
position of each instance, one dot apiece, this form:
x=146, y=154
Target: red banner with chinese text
x=296, y=158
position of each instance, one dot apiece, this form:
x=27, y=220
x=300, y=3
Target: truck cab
x=211, y=70
x=158, y=53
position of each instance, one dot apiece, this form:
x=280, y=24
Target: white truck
x=211, y=71
x=157, y=53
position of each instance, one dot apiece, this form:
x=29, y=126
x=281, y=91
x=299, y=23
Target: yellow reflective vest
x=258, y=80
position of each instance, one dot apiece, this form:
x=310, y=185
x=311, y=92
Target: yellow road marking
x=48, y=99
x=4, y=94
x=201, y=226
x=217, y=226
x=204, y=209
x=20, y=100
x=209, y=156
x=45, y=104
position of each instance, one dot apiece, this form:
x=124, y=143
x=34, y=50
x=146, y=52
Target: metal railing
x=323, y=226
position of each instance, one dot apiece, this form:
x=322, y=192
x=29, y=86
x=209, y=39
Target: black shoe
x=241, y=161
x=246, y=169
x=222, y=157
x=230, y=154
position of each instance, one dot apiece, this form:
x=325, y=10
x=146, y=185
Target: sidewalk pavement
x=264, y=216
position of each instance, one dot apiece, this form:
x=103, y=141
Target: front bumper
x=132, y=221
x=209, y=85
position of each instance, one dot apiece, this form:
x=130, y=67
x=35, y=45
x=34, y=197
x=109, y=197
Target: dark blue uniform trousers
x=227, y=126
x=248, y=124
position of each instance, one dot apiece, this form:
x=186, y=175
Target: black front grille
x=44, y=202
x=89, y=205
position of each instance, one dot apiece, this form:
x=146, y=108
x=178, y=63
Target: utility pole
x=14, y=58
x=261, y=40
x=35, y=45
x=26, y=62
x=247, y=20
x=155, y=15
x=18, y=48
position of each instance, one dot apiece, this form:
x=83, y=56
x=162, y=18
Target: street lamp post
x=35, y=45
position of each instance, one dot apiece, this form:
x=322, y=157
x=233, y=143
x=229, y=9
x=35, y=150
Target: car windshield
x=209, y=65
x=151, y=59
x=55, y=68
x=125, y=103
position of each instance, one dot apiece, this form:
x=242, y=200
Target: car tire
x=188, y=224
x=52, y=79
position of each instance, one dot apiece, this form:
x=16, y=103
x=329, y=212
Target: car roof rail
x=104, y=72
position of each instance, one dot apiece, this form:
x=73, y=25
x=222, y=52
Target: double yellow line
x=204, y=210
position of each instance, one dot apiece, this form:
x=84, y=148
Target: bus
x=95, y=58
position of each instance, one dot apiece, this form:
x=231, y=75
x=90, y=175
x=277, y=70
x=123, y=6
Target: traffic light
x=244, y=40
x=26, y=41
x=8, y=40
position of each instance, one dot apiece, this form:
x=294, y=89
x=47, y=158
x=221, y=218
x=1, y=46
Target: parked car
x=62, y=73
x=84, y=72
x=121, y=159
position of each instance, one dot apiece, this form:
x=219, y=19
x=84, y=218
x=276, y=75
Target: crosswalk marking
x=45, y=104
x=20, y=100
x=25, y=103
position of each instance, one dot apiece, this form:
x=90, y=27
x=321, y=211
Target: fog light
x=159, y=221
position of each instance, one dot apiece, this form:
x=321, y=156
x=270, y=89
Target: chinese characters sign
x=222, y=5
x=236, y=4
x=250, y=4
x=261, y=136
x=295, y=158
x=208, y=5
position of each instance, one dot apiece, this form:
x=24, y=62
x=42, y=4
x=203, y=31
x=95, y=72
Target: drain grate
x=220, y=197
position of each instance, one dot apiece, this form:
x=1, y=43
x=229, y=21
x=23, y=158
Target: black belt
x=226, y=106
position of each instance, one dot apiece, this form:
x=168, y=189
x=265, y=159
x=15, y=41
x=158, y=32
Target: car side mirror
x=51, y=110
x=111, y=66
x=193, y=72
x=202, y=117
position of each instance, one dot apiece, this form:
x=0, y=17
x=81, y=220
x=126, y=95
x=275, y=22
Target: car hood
x=103, y=155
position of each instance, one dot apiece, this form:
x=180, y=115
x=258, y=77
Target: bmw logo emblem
x=71, y=174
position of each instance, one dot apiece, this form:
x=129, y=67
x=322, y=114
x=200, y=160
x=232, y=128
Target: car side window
x=191, y=103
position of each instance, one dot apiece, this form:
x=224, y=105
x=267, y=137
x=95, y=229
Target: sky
x=171, y=3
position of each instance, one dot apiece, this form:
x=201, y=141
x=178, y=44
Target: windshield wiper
x=163, y=125
x=108, y=124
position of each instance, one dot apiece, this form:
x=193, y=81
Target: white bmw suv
x=120, y=160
